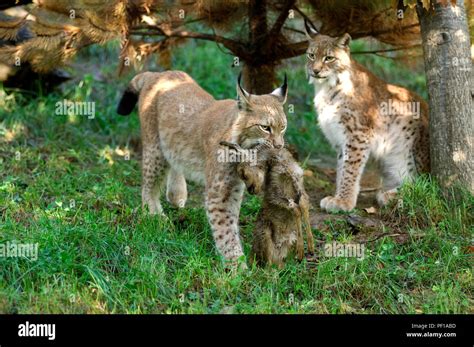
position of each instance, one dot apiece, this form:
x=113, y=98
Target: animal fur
x=361, y=116
x=181, y=127
x=285, y=207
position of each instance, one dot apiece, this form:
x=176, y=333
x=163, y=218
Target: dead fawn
x=285, y=207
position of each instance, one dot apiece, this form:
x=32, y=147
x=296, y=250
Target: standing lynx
x=181, y=127
x=361, y=115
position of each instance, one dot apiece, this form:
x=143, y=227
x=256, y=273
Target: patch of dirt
x=365, y=223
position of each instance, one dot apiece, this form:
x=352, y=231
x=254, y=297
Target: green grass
x=66, y=185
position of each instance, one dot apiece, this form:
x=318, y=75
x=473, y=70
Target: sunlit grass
x=71, y=188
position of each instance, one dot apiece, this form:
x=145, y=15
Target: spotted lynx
x=181, y=127
x=361, y=115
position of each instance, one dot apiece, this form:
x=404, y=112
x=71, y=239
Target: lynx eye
x=265, y=128
x=283, y=130
x=329, y=58
x=311, y=56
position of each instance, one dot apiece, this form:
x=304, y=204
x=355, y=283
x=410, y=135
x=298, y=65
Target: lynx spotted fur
x=363, y=116
x=181, y=127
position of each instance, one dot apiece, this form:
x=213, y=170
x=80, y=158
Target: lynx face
x=326, y=57
x=261, y=118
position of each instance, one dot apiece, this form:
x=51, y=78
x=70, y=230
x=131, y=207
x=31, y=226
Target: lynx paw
x=384, y=197
x=332, y=203
x=236, y=265
x=154, y=210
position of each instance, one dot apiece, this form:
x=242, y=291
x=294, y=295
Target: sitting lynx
x=361, y=115
x=181, y=127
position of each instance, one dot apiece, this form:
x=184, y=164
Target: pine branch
x=375, y=33
x=302, y=14
x=173, y=23
x=293, y=50
x=294, y=30
x=398, y=57
x=235, y=47
x=273, y=33
x=377, y=51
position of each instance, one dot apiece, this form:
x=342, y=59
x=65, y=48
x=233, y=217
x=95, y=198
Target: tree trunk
x=259, y=75
x=258, y=79
x=446, y=48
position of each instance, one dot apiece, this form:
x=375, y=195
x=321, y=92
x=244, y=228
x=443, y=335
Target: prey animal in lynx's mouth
x=285, y=207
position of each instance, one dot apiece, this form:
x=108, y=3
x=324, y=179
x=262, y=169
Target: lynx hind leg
x=176, y=189
x=154, y=168
x=396, y=169
x=421, y=150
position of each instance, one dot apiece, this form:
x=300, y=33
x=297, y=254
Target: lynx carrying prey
x=362, y=115
x=285, y=207
x=181, y=127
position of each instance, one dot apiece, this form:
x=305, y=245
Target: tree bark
x=258, y=74
x=446, y=48
x=259, y=79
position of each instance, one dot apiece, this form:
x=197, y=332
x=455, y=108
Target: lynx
x=285, y=207
x=362, y=115
x=181, y=127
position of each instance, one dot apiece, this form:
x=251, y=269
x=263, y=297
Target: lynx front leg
x=224, y=195
x=351, y=163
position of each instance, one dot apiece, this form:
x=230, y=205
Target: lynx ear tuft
x=282, y=92
x=310, y=29
x=243, y=96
